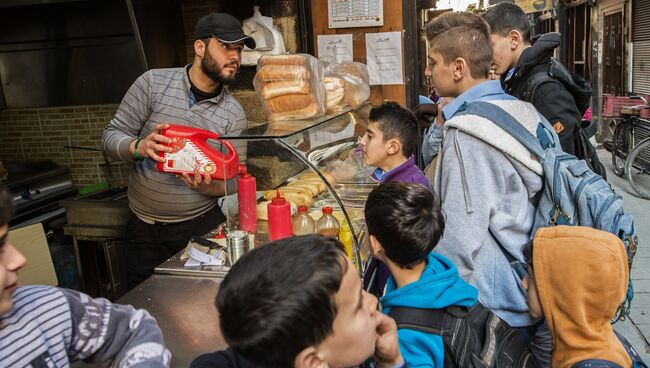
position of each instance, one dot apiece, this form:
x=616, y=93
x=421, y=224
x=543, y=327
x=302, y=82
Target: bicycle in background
x=630, y=144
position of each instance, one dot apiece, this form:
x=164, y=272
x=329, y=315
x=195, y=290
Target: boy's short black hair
x=279, y=298
x=395, y=121
x=6, y=205
x=406, y=219
x=504, y=17
x=465, y=35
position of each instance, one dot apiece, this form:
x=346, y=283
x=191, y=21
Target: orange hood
x=581, y=276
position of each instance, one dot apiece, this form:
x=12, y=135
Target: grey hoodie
x=488, y=190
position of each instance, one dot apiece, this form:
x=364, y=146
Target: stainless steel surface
x=67, y=53
x=36, y=188
x=176, y=266
x=107, y=210
x=185, y=311
x=237, y=242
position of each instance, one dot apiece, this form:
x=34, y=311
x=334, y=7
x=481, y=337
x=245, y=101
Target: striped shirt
x=52, y=327
x=164, y=96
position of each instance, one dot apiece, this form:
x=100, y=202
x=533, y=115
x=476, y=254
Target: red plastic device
x=191, y=150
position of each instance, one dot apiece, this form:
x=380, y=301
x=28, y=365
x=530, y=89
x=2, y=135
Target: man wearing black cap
x=167, y=210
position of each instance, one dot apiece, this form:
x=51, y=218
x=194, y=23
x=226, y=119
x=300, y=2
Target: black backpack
x=472, y=337
x=581, y=92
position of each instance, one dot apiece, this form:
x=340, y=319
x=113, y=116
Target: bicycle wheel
x=618, y=147
x=637, y=169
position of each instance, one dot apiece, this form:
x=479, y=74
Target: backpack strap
x=507, y=122
x=423, y=320
x=537, y=80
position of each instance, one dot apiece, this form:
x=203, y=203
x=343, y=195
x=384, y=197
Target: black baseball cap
x=224, y=27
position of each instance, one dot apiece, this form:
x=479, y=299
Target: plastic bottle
x=279, y=218
x=328, y=225
x=247, y=200
x=302, y=223
x=345, y=237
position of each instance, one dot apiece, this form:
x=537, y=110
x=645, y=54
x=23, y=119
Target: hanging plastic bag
x=290, y=87
x=346, y=84
x=268, y=37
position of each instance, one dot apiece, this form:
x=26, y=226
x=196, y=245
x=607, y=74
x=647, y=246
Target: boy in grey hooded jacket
x=487, y=181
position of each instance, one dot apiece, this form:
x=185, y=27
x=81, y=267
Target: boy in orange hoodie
x=578, y=277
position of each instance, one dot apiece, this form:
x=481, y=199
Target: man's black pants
x=149, y=245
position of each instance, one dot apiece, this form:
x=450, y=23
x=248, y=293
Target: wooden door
x=613, y=54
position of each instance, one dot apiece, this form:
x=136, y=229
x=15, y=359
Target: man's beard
x=214, y=71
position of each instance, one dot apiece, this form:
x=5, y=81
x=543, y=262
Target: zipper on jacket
x=463, y=175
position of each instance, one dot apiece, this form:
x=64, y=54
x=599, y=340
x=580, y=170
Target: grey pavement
x=636, y=328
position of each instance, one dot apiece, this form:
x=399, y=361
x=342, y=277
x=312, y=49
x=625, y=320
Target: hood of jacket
x=539, y=52
x=581, y=276
x=439, y=286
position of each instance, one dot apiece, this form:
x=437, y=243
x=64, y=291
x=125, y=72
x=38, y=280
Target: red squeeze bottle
x=247, y=200
x=279, y=218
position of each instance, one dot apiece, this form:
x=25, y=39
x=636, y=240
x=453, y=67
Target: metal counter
x=185, y=311
x=175, y=266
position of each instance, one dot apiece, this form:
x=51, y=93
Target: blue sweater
x=439, y=286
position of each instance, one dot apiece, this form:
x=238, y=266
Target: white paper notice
x=384, y=53
x=338, y=46
x=355, y=13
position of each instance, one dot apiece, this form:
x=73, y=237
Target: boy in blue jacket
x=405, y=223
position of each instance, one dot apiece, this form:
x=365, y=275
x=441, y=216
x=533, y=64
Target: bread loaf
x=279, y=88
x=272, y=73
x=290, y=86
x=289, y=103
x=313, y=175
x=335, y=89
x=311, y=187
x=283, y=60
x=270, y=194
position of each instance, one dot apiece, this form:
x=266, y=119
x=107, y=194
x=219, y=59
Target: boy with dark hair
x=298, y=302
x=405, y=223
x=578, y=299
x=558, y=97
x=488, y=182
x=43, y=326
x=389, y=144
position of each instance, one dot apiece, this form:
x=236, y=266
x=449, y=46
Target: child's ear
x=515, y=38
x=394, y=147
x=461, y=69
x=309, y=358
x=377, y=249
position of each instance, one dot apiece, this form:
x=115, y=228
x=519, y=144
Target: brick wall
x=44, y=133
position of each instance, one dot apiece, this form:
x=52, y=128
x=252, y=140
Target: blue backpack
x=572, y=195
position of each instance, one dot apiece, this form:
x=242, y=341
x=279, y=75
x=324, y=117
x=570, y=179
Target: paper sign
x=355, y=13
x=338, y=47
x=384, y=53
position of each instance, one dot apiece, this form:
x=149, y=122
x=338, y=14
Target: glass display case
x=280, y=153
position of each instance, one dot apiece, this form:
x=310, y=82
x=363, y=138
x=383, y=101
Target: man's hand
x=150, y=145
x=387, y=352
x=203, y=183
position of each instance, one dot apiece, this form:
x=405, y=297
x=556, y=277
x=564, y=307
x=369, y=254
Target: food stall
x=181, y=295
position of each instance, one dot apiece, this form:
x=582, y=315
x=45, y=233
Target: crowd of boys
x=299, y=302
